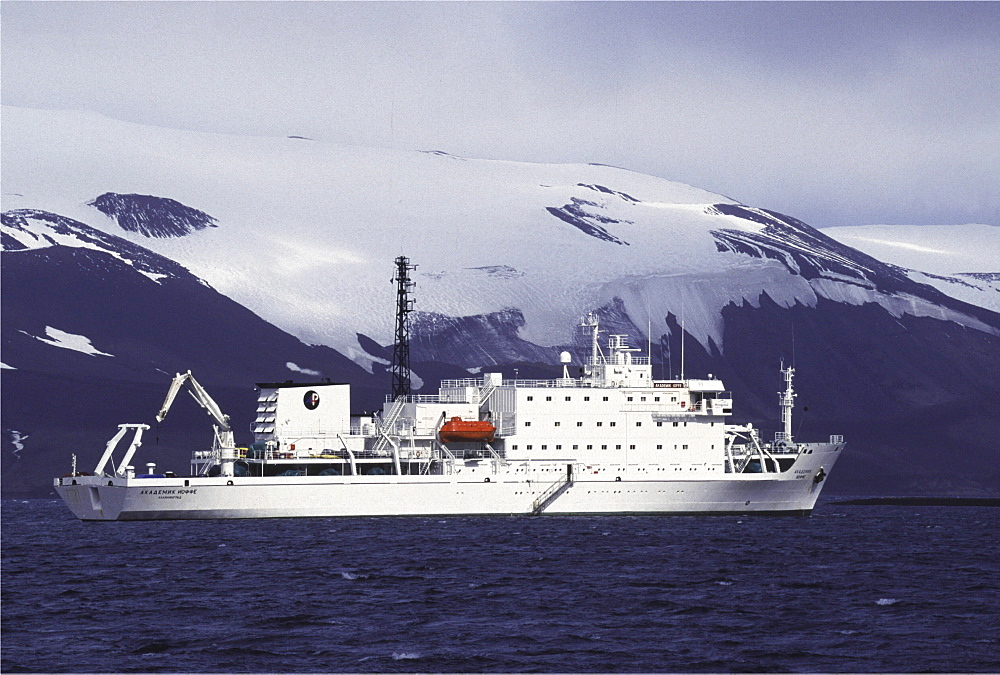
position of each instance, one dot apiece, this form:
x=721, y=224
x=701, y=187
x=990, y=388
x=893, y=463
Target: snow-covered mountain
x=304, y=233
x=510, y=255
x=962, y=261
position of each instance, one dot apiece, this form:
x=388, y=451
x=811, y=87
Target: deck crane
x=223, y=445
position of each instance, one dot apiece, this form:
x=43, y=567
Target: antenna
x=682, y=347
x=401, y=350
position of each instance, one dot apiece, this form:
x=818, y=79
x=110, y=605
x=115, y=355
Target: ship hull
x=793, y=492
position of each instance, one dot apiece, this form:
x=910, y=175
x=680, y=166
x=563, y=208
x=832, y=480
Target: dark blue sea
x=852, y=588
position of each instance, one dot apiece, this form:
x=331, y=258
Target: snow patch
x=305, y=371
x=64, y=340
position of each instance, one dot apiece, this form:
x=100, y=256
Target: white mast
x=787, y=401
x=682, y=349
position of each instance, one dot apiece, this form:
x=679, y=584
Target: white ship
x=612, y=441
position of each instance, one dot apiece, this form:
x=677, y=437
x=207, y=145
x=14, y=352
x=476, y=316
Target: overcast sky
x=838, y=114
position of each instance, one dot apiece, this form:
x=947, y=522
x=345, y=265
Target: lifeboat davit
x=457, y=430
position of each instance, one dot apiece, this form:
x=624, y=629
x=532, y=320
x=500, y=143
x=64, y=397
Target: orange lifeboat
x=457, y=430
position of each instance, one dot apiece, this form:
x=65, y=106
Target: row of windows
x=529, y=446
x=656, y=399
x=611, y=424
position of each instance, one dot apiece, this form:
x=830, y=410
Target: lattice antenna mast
x=404, y=305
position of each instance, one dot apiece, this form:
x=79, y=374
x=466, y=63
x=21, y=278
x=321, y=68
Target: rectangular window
x=659, y=424
x=568, y=398
x=528, y=446
x=558, y=423
x=685, y=447
x=629, y=398
x=586, y=398
x=631, y=447
x=618, y=447
x=579, y=424
x=659, y=447
x=590, y=447
x=638, y=424
x=657, y=399
x=675, y=424
x=545, y=447
x=600, y=424
x=558, y=447
x=514, y=447
x=605, y=398
x=673, y=399
x=643, y=398
x=576, y=447
x=528, y=424
x=611, y=424
x=604, y=447
x=548, y=398
x=531, y=398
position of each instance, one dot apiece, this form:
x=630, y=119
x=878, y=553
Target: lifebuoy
x=683, y=403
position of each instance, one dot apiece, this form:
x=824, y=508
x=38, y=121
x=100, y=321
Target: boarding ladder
x=553, y=492
x=387, y=424
x=485, y=393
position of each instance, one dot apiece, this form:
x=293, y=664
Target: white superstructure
x=614, y=440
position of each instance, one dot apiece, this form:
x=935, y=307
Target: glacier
x=303, y=234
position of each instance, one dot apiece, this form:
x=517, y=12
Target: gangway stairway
x=553, y=492
x=388, y=423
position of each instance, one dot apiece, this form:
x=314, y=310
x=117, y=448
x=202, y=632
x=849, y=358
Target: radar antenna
x=401, y=351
